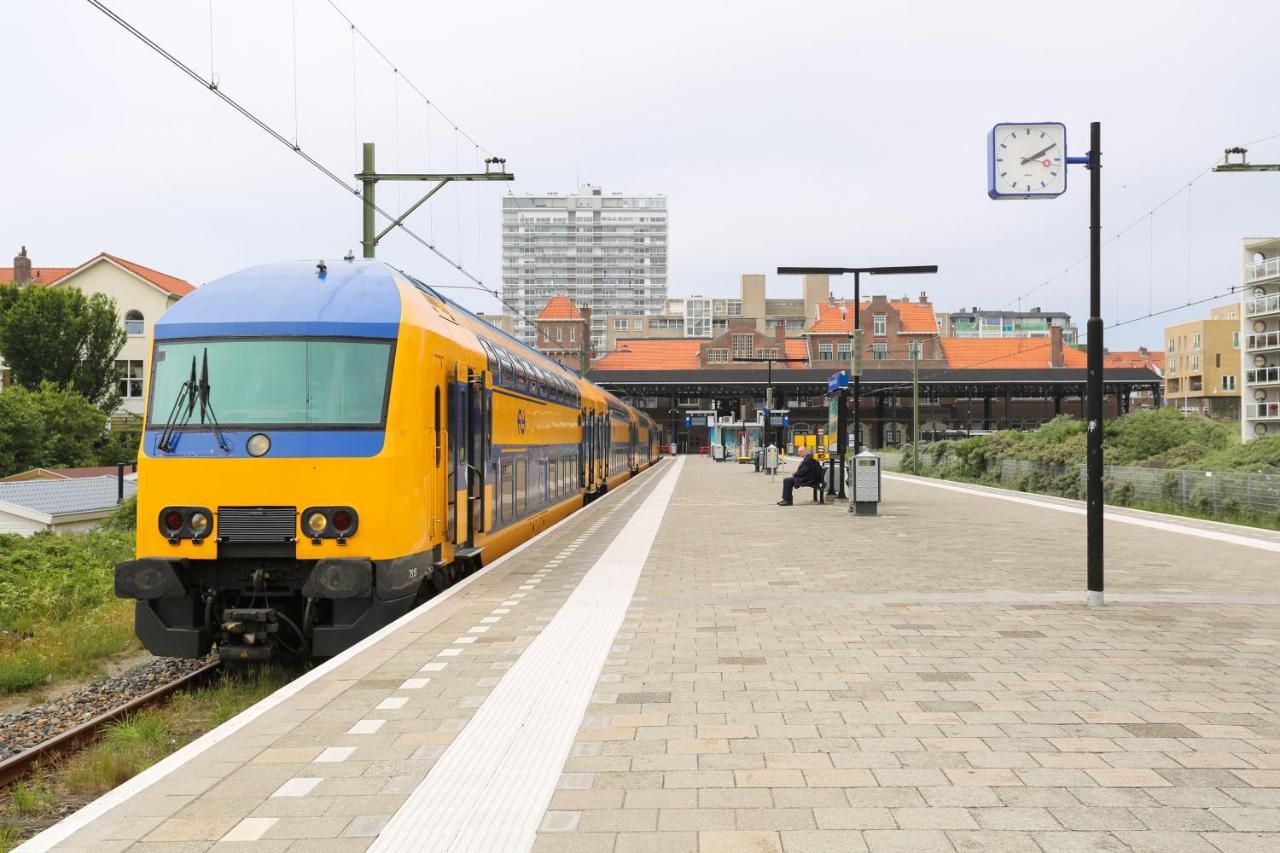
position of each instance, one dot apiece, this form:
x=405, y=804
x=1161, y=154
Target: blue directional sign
x=836, y=381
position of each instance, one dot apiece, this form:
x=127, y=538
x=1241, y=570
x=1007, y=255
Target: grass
x=131, y=746
x=59, y=616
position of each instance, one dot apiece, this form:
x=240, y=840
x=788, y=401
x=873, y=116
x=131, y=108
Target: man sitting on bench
x=809, y=473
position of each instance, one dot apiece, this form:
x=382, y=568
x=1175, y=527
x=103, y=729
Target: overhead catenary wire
x=431, y=105
x=276, y=135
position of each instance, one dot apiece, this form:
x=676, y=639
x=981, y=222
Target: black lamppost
x=856, y=350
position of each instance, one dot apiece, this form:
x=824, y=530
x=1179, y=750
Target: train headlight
x=317, y=522
x=172, y=521
x=199, y=523
x=258, y=444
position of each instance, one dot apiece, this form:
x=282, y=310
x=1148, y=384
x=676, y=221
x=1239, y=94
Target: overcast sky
x=824, y=133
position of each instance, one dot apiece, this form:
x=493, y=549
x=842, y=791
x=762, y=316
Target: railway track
x=16, y=766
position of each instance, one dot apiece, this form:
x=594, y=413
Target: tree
x=51, y=427
x=58, y=335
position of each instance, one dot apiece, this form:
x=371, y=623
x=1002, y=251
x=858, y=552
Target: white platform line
x=1078, y=509
x=491, y=787
x=74, y=822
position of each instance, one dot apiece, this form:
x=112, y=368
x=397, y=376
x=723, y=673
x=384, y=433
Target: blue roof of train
x=351, y=299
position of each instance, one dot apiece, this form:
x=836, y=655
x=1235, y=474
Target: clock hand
x=1036, y=156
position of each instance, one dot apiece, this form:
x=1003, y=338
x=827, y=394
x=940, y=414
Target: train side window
x=507, y=485
x=504, y=376
x=491, y=356
x=521, y=484
x=436, y=422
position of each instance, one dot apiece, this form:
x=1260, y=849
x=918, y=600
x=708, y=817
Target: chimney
x=780, y=335
x=22, y=268
x=1055, y=347
x=924, y=298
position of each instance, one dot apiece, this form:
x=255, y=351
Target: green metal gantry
x=495, y=170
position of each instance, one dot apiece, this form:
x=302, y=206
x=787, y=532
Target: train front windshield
x=286, y=382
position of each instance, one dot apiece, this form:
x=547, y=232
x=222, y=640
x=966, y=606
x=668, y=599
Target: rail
x=16, y=766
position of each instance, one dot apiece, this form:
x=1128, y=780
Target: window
x=915, y=349
x=522, y=471
x=824, y=352
x=717, y=355
x=1170, y=344
x=1228, y=383
x=1217, y=359
x=1235, y=339
x=573, y=334
x=1195, y=363
x=879, y=352
x=770, y=352
x=436, y=422
x=638, y=325
x=129, y=378
x=507, y=486
x=285, y=382
x=743, y=345
x=559, y=334
x=620, y=325
x=844, y=351
x=879, y=324
x=133, y=324
x=1195, y=341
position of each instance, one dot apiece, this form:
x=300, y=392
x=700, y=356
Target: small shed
x=64, y=505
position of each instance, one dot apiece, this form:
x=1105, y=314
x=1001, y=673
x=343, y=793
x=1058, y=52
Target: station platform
x=684, y=666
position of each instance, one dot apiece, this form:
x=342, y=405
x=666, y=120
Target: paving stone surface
x=929, y=679
x=797, y=679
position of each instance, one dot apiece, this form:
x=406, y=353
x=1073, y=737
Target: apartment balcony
x=1263, y=376
x=1262, y=341
x=1263, y=270
x=1262, y=411
x=1263, y=305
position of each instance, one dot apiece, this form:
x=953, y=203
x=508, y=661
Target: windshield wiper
x=186, y=399
x=206, y=407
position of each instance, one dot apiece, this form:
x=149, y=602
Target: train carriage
x=326, y=445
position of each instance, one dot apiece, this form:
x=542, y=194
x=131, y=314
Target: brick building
x=564, y=333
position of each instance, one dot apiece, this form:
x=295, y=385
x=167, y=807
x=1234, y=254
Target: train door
x=477, y=448
x=459, y=432
x=589, y=451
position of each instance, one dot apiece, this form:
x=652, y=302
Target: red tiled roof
x=652, y=354
x=39, y=275
x=915, y=317
x=1134, y=358
x=49, y=275
x=169, y=283
x=560, y=308
x=797, y=348
x=1004, y=353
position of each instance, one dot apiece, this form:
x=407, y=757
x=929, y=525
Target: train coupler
x=248, y=634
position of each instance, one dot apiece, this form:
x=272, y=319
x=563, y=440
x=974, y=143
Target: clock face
x=1027, y=160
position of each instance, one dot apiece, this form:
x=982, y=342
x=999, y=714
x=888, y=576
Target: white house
x=141, y=295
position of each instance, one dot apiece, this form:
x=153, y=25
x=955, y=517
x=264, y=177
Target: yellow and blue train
x=329, y=444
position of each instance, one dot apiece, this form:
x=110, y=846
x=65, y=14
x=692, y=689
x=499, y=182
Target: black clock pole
x=1097, y=417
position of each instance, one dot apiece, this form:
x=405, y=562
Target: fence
x=1208, y=492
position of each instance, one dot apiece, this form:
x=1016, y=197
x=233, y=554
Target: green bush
x=48, y=428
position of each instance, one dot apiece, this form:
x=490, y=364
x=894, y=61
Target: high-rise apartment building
x=1260, y=328
x=605, y=252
